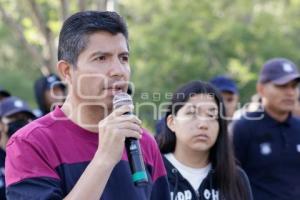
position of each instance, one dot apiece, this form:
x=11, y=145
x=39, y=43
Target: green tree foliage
x=172, y=42
x=28, y=34
x=17, y=69
x=177, y=41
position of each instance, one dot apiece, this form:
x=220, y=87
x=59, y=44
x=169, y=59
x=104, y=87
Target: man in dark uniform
x=229, y=91
x=267, y=142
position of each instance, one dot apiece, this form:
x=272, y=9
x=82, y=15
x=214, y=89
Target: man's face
x=279, y=98
x=102, y=70
x=230, y=100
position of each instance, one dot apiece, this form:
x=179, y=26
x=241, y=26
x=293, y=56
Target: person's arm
x=93, y=180
x=113, y=130
x=27, y=174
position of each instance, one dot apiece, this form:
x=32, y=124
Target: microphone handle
x=136, y=162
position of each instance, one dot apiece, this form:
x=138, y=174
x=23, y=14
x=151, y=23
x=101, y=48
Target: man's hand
x=112, y=133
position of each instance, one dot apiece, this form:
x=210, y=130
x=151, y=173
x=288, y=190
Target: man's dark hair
x=74, y=35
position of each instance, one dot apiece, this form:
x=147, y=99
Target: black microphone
x=132, y=145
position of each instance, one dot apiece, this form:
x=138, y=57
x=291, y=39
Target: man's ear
x=65, y=70
x=260, y=89
x=171, y=122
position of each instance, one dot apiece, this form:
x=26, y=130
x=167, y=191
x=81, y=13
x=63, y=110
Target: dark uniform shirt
x=269, y=152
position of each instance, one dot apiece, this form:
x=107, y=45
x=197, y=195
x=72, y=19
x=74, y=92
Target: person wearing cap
x=3, y=93
x=49, y=92
x=267, y=141
x=15, y=113
x=229, y=92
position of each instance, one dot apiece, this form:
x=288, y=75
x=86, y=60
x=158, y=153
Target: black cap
x=12, y=105
x=279, y=71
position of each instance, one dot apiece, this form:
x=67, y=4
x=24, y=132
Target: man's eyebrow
x=97, y=53
x=124, y=53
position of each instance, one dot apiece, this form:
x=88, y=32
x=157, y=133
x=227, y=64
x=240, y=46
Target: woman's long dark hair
x=221, y=154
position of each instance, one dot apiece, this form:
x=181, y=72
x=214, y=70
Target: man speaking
x=77, y=151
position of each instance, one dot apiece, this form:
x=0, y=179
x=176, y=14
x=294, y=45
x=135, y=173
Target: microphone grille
x=121, y=99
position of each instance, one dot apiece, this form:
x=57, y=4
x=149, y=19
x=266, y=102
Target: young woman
x=197, y=151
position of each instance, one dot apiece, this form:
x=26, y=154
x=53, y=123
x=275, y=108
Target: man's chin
x=287, y=109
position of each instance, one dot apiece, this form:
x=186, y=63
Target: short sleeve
x=28, y=174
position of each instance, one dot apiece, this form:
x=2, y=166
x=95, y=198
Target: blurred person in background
x=229, y=91
x=3, y=93
x=267, y=141
x=49, y=92
x=296, y=110
x=253, y=105
x=159, y=125
x=14, y=114
x=197, y=152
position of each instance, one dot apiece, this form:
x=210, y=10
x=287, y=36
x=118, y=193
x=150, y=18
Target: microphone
x=132, y=145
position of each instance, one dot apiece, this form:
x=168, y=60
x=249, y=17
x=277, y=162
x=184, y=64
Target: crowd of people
x=16, y=113
x=72, y=146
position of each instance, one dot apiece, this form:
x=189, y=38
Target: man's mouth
x=116, y=87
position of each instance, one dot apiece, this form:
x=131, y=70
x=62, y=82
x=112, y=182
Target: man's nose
x=118, y=69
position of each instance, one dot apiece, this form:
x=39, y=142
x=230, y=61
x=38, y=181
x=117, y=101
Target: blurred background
x=171, y=42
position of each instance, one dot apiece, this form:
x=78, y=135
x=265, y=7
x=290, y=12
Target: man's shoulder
x=243, y=127
x=251, y=115
x=147, y=141
x=249, y=118
x=147, y=136
x=149, y=147
x=296, y=120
